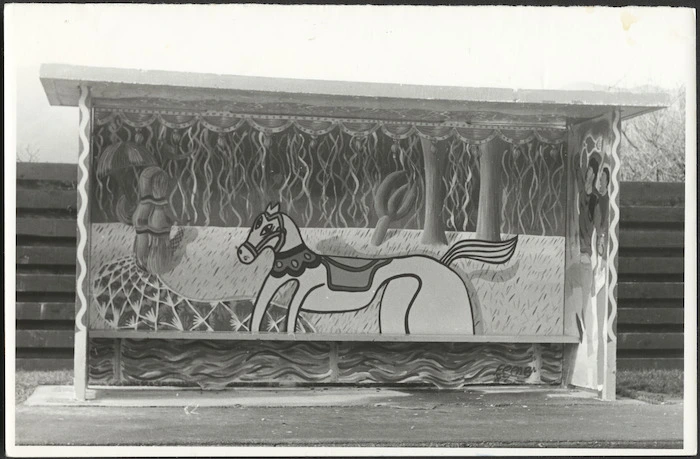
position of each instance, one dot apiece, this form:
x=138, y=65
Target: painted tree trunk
x=434, y=161
x=391, y=203
x=488, y=225
x=380, y=230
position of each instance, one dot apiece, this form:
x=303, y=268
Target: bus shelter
x=246, y=230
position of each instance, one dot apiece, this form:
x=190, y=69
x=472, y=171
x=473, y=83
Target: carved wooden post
x=591, y=279
x=488, y=224
x=609, y=338
x=83, y=253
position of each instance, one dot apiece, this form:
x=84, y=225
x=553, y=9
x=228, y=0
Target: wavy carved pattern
x=82, y=220
x=102, y=361
x=217, y=364
x=614, y=222
x=446, y=365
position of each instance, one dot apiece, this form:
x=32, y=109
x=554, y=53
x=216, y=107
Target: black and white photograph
x=350, y=230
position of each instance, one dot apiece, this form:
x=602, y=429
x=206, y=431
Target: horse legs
x=399, y=295
x=298, y=298
x=413, y=304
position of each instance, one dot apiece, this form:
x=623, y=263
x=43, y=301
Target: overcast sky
x=513, y=47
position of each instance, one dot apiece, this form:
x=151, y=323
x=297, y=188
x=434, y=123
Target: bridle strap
x=282, y=232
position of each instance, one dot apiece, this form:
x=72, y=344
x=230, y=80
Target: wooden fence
x=650, y=315
x=650, y=292
x=46, y=257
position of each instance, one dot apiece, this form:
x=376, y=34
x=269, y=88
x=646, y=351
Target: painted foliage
x=225, y=223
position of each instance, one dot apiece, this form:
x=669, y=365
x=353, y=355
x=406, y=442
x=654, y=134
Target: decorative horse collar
x=294, y=261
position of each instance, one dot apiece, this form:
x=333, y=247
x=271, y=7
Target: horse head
x=273, y=230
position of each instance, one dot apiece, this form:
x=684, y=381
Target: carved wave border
x=212, y=364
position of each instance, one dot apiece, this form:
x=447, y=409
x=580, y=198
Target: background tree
x=653, y=145
x=488, y=223
x=27, y=153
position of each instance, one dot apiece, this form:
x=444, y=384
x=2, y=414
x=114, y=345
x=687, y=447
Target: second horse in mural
x=422, y=295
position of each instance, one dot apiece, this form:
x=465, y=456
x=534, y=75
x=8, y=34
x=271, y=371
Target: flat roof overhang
x=249, y=95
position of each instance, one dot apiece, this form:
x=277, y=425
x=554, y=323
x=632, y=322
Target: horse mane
x=293, y=237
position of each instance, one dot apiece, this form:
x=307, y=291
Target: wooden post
x=590, y=304
x=83, y=253
x=488, y=224
x=609, y=335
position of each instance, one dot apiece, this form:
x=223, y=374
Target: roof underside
x=190, y=92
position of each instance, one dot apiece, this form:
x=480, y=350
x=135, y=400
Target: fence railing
x=650, y=315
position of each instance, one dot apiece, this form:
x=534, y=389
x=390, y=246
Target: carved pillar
x=83, y=252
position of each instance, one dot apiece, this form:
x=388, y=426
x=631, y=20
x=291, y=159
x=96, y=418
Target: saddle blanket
x=348, y=274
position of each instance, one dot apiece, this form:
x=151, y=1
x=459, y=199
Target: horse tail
x=480, y=250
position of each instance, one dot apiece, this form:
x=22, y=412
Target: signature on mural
x=422, y=294
x=511, y=373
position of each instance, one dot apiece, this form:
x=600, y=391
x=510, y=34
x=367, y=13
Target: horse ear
x=273, y=208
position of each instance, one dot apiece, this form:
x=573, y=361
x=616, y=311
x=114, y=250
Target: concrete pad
x=524, y=389
x=459, y=418
x=179, y=397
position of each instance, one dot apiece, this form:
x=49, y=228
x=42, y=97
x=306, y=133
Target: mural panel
x=232, y=224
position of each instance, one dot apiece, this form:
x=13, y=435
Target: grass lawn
x=650, y=385
x=27, y=381
x=653, y=386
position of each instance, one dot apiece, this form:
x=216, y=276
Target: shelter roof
x=249, y=95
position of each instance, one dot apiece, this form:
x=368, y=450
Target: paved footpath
x=486, y=417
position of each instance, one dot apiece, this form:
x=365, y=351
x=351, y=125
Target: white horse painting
x=422, y=295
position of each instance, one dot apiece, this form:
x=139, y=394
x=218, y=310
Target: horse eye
x=266, y=230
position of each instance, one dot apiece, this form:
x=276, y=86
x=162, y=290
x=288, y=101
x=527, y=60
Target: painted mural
x=223, y=223
x=422, y=295
x=589, y=266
